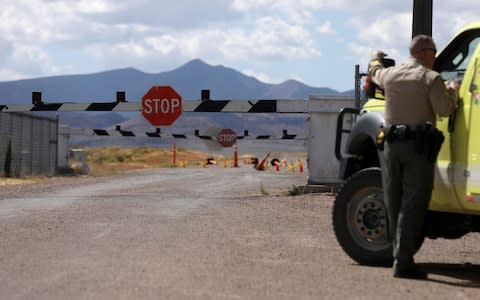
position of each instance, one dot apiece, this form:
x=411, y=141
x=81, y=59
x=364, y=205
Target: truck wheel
x=360, y=219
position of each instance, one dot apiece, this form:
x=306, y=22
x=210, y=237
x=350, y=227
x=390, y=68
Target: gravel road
x=199, y=233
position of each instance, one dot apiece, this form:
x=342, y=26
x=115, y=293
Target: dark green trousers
x=408, y=180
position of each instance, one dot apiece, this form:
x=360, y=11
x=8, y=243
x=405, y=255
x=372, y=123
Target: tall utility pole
x=422, y=17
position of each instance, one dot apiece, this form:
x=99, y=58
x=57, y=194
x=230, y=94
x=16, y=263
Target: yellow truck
x=360, y=216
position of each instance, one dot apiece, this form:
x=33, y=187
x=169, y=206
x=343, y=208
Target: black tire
x=360, y=219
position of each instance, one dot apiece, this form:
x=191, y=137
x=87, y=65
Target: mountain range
x=188, y=80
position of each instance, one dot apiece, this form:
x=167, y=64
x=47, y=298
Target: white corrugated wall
x=28, y=145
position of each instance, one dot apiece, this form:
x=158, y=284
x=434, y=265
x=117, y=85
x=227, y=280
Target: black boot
x=410, y=272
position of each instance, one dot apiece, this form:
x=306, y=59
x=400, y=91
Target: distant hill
x=188, y=80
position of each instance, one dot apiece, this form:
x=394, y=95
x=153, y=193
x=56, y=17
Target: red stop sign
x=227, y=137
x=161, y=105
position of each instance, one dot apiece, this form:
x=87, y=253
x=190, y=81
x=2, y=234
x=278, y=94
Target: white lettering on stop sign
x=163, y=106
x=227, y=138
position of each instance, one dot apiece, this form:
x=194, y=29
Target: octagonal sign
x=161, y=105
x=227, y=137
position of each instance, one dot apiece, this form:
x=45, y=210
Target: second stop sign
x=227, y=137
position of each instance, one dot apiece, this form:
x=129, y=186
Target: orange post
x=235, y=155
x=174, y=154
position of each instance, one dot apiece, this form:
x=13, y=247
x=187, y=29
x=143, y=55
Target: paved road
x=199, y=234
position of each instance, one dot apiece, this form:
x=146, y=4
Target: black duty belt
x=400, y=132
x=428, y=140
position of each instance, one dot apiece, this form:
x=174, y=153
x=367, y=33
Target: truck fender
x=361, y=147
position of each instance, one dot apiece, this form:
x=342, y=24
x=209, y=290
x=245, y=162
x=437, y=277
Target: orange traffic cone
x=277, y=166
x=300, y=166
x=262, y=165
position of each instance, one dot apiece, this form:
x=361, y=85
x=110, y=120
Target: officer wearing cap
x=414, y=95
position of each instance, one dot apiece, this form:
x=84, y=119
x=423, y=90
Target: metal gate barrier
x=322, y=111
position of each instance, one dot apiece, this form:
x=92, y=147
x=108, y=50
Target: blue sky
x=317, y=42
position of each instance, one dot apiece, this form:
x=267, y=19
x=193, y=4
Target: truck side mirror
x=388, y=62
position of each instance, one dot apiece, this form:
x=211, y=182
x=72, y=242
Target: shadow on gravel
x=463, y=275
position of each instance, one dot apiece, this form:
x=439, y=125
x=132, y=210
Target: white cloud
x=390, y=27
x=326, y=28
x=92, y=6
x=163, y=45
x=267, y=39
x=29, y=60
x=35, y=21
x=253, y=34
x=248, y=5
x=275, y=38
x=383, y=32
x=298, y=11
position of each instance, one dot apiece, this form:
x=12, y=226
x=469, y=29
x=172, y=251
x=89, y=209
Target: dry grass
x=18, y=181
x=113, y=160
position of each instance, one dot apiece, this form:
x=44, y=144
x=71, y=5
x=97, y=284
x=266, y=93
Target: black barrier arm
x=341, y=131
x=287, y=136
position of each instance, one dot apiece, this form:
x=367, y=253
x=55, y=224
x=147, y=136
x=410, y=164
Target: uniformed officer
x=414, y=94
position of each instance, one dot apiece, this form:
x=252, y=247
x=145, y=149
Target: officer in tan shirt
x=414, y=95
